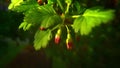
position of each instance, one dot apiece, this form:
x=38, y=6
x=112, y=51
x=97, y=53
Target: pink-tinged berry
x=69, y=44
x=57, y=39
x=40, y=2
x=57, y=36
x=42, y=28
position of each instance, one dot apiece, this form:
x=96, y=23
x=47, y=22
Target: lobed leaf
x=33, y=16
x=90, y=19
x=14, y=3
x=44, y=15
x=41, y=39
x=25, y=6
x=25, y=26
x=50, y=21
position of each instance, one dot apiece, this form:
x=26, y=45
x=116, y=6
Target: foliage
x=90, y=19
x=56, y=14
x=14, y=3
x=42, y=38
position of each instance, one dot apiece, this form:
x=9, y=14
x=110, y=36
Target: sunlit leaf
x=25, y=6
x=41, y=39
x=33, y=16
x=25, y=26
x=44, y=15
x=90, y=19
x=50, y=21
x=14, y=3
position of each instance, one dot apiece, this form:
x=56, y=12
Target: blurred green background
x=101, y=49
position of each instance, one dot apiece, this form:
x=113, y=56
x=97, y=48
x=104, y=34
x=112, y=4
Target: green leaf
x=50, y=21
x=33, y=16
x=41, y=39
x=25, y=26
x=50, y=17
x=44, y=15
x=51, y=1
x=26, y=6
x=14, y=3
x=90, y=19
x=47, y=9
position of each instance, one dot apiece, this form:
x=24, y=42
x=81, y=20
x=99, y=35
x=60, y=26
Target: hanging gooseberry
x=42, y=28
x=40, y=2
x=69, y=42
x=57, y=36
